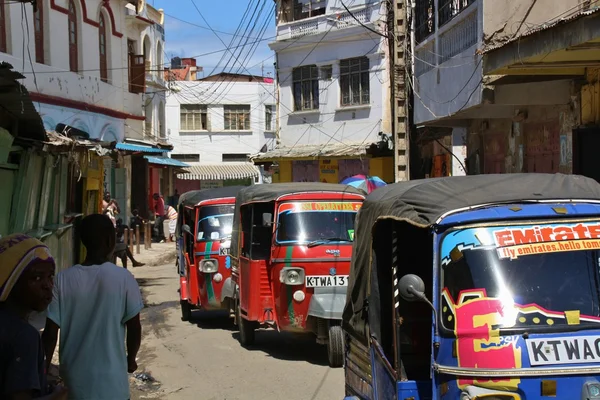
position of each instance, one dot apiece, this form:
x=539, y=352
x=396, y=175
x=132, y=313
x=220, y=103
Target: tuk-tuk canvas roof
x=190, y=199
x=423, y=202
x=270, y=192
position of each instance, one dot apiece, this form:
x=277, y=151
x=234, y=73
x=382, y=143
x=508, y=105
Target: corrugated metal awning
x=166, y=161
x=225, y=171
x=139, y=148
x=314, y=151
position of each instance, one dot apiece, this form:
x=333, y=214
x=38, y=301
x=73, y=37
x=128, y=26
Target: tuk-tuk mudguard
x=228, y=289
x=327, y=303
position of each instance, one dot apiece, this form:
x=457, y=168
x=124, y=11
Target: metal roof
x=139, y=148
x=543, y=27
x=315, y=150
x=166, y=161
x=224, y=171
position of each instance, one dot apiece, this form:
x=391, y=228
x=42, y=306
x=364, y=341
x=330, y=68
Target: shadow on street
x=288, y=346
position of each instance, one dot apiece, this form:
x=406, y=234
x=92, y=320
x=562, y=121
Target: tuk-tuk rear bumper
x=327, y=303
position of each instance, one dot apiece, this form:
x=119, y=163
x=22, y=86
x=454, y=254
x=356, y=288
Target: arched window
x=38, y=25
x=159, y=59
x=73, y=39
x=3, y=30
x=103, y=50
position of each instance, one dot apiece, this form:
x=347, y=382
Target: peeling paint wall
x=506, y=19
x=542, y=142
x=590, y=98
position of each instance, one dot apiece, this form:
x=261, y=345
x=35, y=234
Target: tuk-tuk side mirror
x=186, y=229
x=412, y=288
x=267, y=219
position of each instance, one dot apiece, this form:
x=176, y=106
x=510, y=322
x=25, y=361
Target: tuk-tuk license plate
x=224, y=251
x=326, y=281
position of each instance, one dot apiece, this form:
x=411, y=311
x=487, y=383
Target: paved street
x=204, y=360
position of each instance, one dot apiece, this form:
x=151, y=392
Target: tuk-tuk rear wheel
x=246, y=328
x=186, y=310
x=335, y=346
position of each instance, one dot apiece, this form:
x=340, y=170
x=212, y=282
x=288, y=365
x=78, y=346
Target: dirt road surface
x=203, y=359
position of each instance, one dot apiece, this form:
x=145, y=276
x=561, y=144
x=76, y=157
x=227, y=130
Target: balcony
x=329, y=22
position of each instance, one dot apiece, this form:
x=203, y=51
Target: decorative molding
x=86, y=19
x=80, y=105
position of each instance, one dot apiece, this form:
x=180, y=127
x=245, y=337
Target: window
x=193, y=117
x=186, y=157
x=103, y=55
x=354, y=81
x=73, y=54
x=235, y=157
x=3, y=30
x=38, y=25
x=306, y=88
x=269, y=111
x=294, y=10
x=237, y=118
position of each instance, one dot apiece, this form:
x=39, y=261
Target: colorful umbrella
x=366, y=183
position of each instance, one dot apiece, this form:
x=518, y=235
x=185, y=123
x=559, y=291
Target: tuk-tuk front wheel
x=186, y=310
x=246, y=328
x=335, y=346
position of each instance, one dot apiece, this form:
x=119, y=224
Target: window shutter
x=138, y=74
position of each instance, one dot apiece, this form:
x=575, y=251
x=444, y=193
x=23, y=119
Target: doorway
x=586, y=142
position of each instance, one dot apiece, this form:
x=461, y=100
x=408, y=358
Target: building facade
x=479, y=113
x=216, y=123
x=333, y=88
x=91, y=67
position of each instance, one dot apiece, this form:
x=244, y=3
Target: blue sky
x=186, y=40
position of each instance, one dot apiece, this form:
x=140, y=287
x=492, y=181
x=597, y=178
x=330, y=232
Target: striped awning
x=224, y=171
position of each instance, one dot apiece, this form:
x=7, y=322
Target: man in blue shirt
x=96, y=305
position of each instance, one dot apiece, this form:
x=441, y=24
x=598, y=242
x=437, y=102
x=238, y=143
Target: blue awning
x=166, y=161
x=139, y=148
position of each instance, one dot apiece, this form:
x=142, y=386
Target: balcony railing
x=327, y=22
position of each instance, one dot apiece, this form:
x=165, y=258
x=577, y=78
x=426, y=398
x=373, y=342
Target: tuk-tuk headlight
x=209, y=266
x=292, y=276
x=591, y=390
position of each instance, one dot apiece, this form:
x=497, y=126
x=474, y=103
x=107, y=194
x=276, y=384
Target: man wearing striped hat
x=26, y=282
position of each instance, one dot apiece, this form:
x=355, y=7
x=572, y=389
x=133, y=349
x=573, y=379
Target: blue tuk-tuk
x=476, y=287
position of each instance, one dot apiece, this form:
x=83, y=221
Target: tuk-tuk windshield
x=528, y=276
x=308, y=222
x=215, y=222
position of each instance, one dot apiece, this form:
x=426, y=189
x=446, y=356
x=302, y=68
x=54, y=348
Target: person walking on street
x=26, y=281
x=159, y=210
x=172, y=216
x=96, y=305
x=122, y=251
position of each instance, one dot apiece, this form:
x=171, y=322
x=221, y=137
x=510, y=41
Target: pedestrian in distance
x=96, y=306
x=121, y=249
x=160, y=213
x=172, y=216
x=26, y=281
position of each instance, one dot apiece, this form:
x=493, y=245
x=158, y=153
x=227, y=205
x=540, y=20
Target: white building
x=215, y=123
x=334, y=89
x=80, y=62
x=97, y=66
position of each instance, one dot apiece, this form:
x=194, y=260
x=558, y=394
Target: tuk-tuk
x=476, y=287
x=203, y=233
x=290, y=258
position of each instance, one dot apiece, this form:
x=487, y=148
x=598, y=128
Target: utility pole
x=401, y=73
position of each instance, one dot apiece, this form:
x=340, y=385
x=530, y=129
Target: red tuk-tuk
x=290, y=259
x=204, y=229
